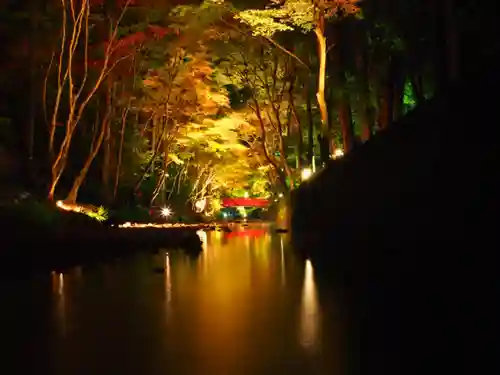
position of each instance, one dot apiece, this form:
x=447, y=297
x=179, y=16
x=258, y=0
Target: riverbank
x=36, y=251
x=37, y=237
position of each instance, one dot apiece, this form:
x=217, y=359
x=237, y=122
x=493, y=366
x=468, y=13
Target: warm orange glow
x=306, y=174
x=338, y=153
x=203, y=238
x=309, y=315
x=283, y=273
x=69, y=207
x=58, y=290
x=167, y=225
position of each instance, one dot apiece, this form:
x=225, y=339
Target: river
x=247, y=305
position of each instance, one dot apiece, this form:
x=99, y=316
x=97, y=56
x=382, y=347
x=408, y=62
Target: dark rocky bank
x=67, y=239
x=406, y=226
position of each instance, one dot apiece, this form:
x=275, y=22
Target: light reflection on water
x=59, y=300
x=309, y=312
x=234, y=310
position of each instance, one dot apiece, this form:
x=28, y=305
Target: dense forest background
x=113, y=101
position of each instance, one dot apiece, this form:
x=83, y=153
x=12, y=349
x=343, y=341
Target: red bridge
x=245, y=202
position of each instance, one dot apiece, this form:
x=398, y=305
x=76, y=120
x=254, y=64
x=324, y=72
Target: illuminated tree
x=307, y=15
x=75, y=86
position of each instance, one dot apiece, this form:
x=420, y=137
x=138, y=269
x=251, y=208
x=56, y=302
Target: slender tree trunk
x=30, y=126
x=77, y=183
x=156, y=151
x=386, y=98
x=79, y=95
x=346, y=123
x=94, y=149
x=120, y=152
x=106, y=165
x=298, y=134
x=344, y=101
x=319, y=31
x=367, y=111
x=333, y=125
x=310, y=126
x=367, y=122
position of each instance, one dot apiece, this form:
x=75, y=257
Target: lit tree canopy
x=286, y=15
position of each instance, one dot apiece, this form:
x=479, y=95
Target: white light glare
x=166, y=212
x=306, y=174
x=338, y=153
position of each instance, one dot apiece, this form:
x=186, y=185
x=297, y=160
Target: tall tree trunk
x=386, y=97
x=156, y=151
x=367, y=122
x=94, y=149
x=346, y=123
x=77, y=183
x=344, y=101
x=319, y=31
x=120, y=151
x=33, y=87
x=333, y=124
x=367, y=111
x=310, y=125
x=106, y=165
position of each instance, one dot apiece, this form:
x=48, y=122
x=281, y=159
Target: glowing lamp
x=338, y=153
x=166, y=212
x=200, y=205
x=306, y=174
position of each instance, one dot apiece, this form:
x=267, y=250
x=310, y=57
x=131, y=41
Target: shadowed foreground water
x=247, y=305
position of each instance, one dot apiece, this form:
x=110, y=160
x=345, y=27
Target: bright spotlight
x=338, y=153
x=200, y=205
x=166, y=212
x=306, y=174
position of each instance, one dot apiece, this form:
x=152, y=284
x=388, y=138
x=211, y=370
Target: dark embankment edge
x=407, y=225
x=29, y=250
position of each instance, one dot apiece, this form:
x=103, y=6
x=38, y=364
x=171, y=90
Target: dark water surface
x=247, y=305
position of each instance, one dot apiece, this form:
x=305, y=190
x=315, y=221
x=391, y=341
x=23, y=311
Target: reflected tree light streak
x=204, y=245
x=309, y=314
x=203, y=238
x=60, y=290
x=283, y=275
x=58, y=287
x=168, y=280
